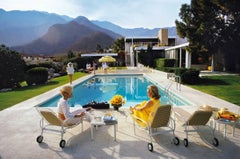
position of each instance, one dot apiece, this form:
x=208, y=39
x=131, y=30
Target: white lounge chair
x=199, y=118
x=159, y=117
x=49, y=118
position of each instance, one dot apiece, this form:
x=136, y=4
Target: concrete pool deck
x=20, y=127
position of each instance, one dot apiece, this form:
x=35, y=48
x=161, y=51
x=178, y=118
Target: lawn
x=224, y=87
x=8, y=99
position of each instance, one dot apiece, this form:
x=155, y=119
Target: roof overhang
x=177, y=46
x=99, y=54
x=153, y=48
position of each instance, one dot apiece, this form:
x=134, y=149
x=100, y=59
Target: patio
x=20, y=125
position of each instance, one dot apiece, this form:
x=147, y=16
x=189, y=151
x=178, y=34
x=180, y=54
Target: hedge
x=37, y=75
x=188, y=76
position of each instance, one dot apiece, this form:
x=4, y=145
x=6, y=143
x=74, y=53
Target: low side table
x=225, y=122
x=98, y=121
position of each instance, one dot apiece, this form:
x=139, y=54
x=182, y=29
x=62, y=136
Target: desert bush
x=37, y=75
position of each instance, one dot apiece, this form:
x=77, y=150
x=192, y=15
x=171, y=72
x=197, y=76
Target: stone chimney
x=163, y=37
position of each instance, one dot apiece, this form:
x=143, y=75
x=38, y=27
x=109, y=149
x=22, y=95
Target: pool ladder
x=172, y=78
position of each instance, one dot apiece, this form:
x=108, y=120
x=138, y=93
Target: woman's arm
x=66, y=110
x=79, y=115
x=147, y=104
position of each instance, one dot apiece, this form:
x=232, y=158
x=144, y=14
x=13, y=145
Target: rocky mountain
x=90, y=42
x=70, y=36
x=84, y=21
x=22, y=27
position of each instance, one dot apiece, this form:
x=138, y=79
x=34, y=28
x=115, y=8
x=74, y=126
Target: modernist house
x=171, y=47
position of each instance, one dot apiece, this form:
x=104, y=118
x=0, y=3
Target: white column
x=137, y=58
x=131, y=56
x=180, y=58
x=188, y=60
x=212, y=64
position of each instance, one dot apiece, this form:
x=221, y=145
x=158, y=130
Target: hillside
x=62, y=37
x=90, y=42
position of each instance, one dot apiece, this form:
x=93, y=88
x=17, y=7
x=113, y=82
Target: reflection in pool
x=103, y=87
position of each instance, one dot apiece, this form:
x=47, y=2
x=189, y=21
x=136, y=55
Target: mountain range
x=34, y=32
x=77, y=35
x=21, y=27
x=135, y=32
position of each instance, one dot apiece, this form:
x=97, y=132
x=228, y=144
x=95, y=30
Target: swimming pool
x=103, y=87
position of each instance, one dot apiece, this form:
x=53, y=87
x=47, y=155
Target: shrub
x=166, y=69
x=12, y=68
x=170, y=62
x=37, y=75
x=44, y=64
x=191, y=76
x=188, y=76
x=180, y=71
x=162, y=62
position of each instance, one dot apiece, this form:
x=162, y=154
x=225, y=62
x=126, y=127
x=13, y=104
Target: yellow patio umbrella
x=107, y=59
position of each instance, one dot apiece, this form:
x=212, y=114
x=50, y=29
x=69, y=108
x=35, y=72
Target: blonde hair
x=67, y=89
x=154, y=91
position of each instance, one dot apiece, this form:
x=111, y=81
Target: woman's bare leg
x=70, y=79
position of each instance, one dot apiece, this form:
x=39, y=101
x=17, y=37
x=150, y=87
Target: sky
x=125, y=13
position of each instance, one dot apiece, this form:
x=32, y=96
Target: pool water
x=102, y=88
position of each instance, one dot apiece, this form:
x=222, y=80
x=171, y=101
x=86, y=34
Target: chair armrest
x=141, y=120
x=64, y=124
x=135, y=117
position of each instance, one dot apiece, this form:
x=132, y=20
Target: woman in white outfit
x=64, y=108
x=105, y=67
x=70, y=71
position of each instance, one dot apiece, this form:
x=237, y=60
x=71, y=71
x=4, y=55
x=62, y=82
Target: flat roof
x=153, y=48
x=145, y=39
x=141, y=39
x=177, y=46
x=99, y=54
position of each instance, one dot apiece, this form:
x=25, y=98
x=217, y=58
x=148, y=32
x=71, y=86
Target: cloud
x=126, y=13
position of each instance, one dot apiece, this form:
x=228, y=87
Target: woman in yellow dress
x=143, y=110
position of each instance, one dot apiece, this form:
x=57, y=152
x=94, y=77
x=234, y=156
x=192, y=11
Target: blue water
x=102, y=88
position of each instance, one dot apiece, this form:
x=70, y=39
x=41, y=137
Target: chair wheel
x=62, y=143
x=176, y=141
x=215, y=142
x=150, y=147
x=185, y=142
x=39, y=139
